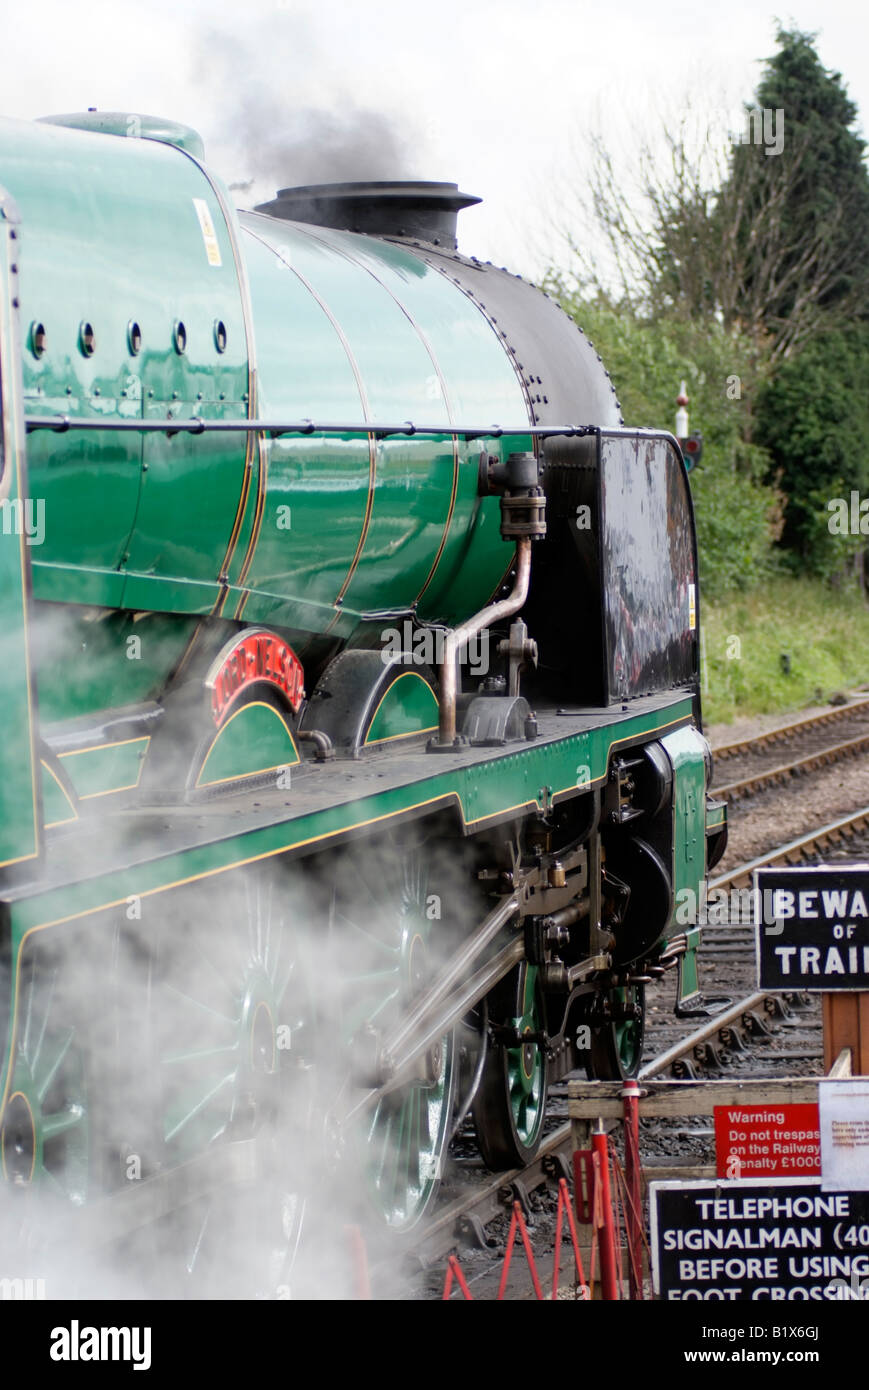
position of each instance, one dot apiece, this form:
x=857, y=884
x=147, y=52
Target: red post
x=634, y=1184
x=518, y=1220
x=454, y=1271
x=359, y=1255
x=564, y=1209
x=604, y=1217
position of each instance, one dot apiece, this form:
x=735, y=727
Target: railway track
x=809, y=724
x=811, y=748
x=834, y=834
x=474, y=1220
x=775, y=776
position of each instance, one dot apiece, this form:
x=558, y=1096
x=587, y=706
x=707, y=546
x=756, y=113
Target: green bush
x=813, y=418
x=737, y=523
x=823, y=632
x=738, y=517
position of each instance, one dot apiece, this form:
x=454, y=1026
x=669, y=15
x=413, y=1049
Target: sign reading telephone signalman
x=812, y=927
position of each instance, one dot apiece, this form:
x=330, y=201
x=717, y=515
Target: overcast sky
x=494, y=94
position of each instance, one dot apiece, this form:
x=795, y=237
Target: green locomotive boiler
x=353, y=758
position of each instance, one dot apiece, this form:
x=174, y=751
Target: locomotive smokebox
x=417, y=211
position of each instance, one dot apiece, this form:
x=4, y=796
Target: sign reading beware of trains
x=812, y=927
x=767, y=1240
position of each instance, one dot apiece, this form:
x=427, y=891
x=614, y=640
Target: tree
x=813, y=419
x=770, y=240
x=794, y=225
x=746, y=262
x=739, y=518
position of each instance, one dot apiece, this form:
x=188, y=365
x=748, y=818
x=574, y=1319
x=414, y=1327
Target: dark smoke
x=313, y=146
x=272, y=137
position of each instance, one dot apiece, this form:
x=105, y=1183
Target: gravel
x=763, y=822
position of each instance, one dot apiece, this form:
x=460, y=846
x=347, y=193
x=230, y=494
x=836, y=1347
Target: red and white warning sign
x=767, y=1141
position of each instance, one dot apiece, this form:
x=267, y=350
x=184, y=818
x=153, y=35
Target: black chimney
x=418, y=211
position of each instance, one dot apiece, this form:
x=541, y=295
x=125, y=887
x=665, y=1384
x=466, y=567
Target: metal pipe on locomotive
x=261, y=443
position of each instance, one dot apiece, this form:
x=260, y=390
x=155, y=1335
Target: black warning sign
x=773, y=1240
x=812, y=927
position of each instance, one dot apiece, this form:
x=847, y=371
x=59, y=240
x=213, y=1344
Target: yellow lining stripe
x=447, y=524
x=258, y=772
x=362, y=264
x=444, y=797
x=394, y=738
x=366, y=522
x=51, y=772
x=250, y=344
x=259, y=510
x=366, y=412
x=405, y=675
x=100, y=747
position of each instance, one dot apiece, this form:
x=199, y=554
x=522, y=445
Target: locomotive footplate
x=145, y=849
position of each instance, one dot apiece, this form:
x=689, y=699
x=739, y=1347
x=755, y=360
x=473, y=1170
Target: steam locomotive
x=350, y=668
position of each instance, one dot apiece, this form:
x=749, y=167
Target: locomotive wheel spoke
x=617, y=1038
x=384, y=945
x=46, y=1132
x=511, y=1103
x=234, y=1024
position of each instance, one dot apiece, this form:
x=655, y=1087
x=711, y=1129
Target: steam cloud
x=132, y=1027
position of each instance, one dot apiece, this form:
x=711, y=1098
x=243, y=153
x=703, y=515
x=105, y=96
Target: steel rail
x=713, y=1025
x=795, y=849
x=759, y=781
x=492, y=1198
x=489, y=1199
x=786, y=731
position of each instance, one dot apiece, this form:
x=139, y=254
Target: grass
x=823, y=633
